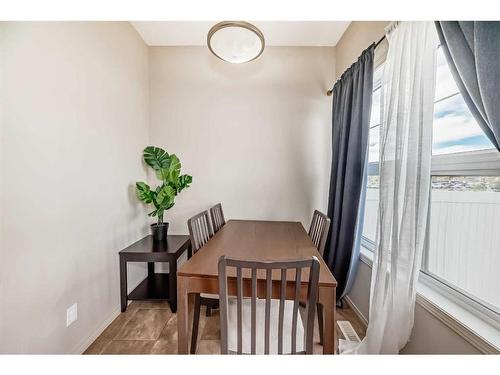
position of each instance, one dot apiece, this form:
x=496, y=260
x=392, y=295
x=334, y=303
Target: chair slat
x=239, y=287
x=198, y=234
x=204, y=230
x=295, y=309
x=267, y=334
x=281, y=310
x=254, y=316
x=319, y=230
x=312, y=298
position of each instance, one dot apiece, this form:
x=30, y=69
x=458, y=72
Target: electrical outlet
x=71, y=314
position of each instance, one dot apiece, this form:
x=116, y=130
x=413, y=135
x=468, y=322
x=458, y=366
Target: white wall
x=74, y=119
x=358, y=36
x=255, y=136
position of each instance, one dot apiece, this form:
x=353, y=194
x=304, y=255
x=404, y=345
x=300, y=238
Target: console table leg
x=151, y=269
x=123, y=284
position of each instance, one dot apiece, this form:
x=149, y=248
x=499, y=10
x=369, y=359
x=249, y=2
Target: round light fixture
x=235, y=41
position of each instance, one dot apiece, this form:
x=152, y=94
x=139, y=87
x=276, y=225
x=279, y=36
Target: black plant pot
x=159, y=231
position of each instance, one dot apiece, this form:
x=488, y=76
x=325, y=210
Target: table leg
x=182, y=316
x=190, y=251
x=123, y=284
x=328, y=301
x=172, y=284
x=151, y=269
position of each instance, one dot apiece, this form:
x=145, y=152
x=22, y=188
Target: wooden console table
x=156, y=286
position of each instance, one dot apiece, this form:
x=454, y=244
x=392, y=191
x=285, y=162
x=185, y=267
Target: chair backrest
x=200, y=230
x=318, y=231
x=217, y=214
x=312, y=265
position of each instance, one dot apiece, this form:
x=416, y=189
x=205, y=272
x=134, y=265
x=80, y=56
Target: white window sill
x=478, y=332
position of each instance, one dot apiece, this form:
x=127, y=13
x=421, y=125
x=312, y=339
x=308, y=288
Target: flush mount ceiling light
x=235, y=41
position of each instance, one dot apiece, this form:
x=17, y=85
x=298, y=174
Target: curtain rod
x=330, y=92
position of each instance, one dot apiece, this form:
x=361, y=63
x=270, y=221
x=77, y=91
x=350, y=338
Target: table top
x=256, y=240
x=146, y=245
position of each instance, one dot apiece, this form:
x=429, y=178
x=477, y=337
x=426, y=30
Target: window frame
x=468, y=163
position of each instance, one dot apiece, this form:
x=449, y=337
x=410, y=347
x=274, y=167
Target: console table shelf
x=154, y=287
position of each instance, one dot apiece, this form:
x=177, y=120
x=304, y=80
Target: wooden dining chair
x=200, y=231
x=217, y=214
x=318, y=232
x=260, y=324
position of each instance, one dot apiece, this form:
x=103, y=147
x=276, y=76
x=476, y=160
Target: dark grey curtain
x=352, y=99
x=473, y=53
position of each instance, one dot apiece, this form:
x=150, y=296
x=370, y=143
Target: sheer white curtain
x=405, y=164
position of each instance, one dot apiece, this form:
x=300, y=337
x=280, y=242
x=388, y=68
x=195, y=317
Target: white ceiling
x=276, y=33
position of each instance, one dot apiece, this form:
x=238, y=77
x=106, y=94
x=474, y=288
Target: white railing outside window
x=462, y=257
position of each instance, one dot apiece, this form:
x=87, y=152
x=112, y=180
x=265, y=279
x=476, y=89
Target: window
x=455, y=129
x=371, y=203
x=463, y=252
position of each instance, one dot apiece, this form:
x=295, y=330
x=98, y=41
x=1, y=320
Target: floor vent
x=348, y=331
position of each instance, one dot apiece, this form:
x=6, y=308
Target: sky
x=454, y=128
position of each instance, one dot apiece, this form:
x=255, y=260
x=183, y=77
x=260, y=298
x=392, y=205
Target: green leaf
x=165, y=196
x=184, y=182
x=144, y=192
x=174, y=169
x=162, y=174
x=156, y=158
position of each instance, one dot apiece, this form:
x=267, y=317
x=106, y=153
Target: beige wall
x=358, y=36
x=255, y=137
x=74, y=101
x=429, y=335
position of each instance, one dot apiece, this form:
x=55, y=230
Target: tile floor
x=151, y=328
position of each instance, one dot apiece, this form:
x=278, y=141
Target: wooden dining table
x=260, y=241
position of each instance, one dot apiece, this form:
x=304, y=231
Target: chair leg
x=319, y=307
x=210, y=305
x=196, y=323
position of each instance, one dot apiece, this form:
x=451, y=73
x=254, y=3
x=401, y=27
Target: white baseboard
x=89, y=340
x=358, y=313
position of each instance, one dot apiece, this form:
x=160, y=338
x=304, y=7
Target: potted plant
x=168, y=170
